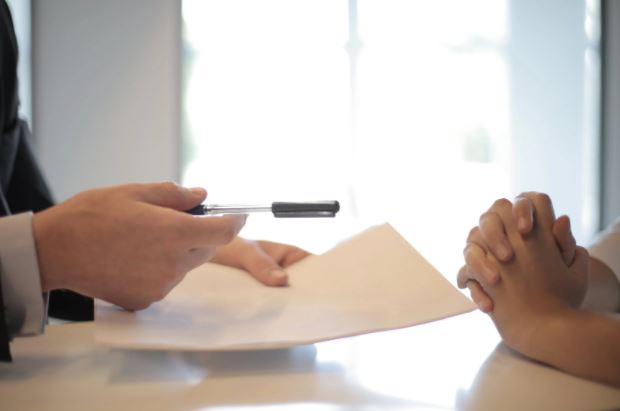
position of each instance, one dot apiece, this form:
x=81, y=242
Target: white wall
x=554, y=109
x=106, y=80
x=20, y=11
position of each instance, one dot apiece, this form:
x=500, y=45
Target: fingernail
x=503, y=252
x=484, y=308
x=198, y=191
x=522, y=224
x=278, y=274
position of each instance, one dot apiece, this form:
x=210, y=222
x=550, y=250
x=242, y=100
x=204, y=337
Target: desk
x=456, y=363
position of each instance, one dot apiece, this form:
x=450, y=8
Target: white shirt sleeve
x=24, y=303
x=606, y=247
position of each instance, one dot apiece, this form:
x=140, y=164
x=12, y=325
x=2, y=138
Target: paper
x=372, y=282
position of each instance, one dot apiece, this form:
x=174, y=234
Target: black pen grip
x=311, y=209
x=198, y=210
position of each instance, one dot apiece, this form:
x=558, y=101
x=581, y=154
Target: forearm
x=603, y=293
x=580, y=342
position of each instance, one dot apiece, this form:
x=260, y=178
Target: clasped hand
x=522, y=265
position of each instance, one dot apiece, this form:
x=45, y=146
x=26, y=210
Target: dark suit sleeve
x=27, y=190
x=5, y=352
x=22, y=186
x=8, y=84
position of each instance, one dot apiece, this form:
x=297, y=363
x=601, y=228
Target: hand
x=264, y=260
x=536, y=285
x=490, y=236
x=130, y=244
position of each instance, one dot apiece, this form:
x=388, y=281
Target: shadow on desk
x=144, y=366
x=423, y=367
x=544, y=387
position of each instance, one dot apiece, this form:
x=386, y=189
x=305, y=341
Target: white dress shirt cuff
x=24, y=303
x=606, y=248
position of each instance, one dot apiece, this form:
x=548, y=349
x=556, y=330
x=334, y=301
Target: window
x=20, y=11
x=419, y=113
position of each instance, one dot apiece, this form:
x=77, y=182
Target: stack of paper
x=372, y=282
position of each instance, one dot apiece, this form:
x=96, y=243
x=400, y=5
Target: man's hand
x=264, y=260
x=130, y=244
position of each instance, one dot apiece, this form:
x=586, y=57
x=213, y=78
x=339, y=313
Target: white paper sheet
x=374, y=281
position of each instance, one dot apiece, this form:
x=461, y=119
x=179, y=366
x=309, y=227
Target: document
x=374, y=281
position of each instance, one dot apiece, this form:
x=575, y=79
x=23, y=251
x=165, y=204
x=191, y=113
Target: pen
x=279, y=209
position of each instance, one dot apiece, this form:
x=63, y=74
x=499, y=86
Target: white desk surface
x=450, y=364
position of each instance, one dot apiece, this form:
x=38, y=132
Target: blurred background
x=415, y=112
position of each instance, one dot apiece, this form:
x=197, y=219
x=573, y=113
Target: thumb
x=564, y=238
x=580, y=268
x=171, y=195
x=264, y=268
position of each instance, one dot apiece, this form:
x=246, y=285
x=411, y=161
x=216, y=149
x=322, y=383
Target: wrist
x=44, y=245
x=541, y=329
x=521, y=329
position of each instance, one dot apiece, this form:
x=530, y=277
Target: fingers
x=466, y=279
x=564, y=237
x=477, y=262
x=264, y=268
x=582, y=260
x=523, y=213
x=284, y=254
x=205, y=231
x=482, y=300
x=581, y=269
x=199, y=231
x=266, y=259
x=169, y=195
x=197, y=257
x=294, y=256
x=493, y=232
x=545, y=214
x=462, y=277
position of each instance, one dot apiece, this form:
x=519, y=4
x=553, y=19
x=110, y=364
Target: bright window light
x=404, y=111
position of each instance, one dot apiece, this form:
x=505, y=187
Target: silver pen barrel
x=236, y=209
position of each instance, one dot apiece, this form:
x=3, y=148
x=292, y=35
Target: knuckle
x=522, y=194
x=582, y=250
x=467, y=252
x=490, y=223
x=463, y=276
x=543, y=198
x=171, y=267
x=502, y=203
x=169, y=186
x=484, y=217
x=209, y=253
x=522, y=205
x=158, y=294
x=145, y=305
x=471, y=257
x=229, y=233
x=473, y=233
x=129, y=187
x=138, y=305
